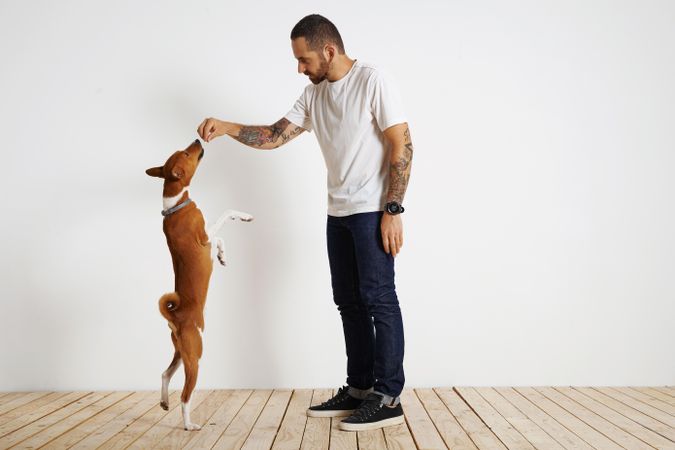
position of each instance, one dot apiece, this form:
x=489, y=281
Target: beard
x=321, y=73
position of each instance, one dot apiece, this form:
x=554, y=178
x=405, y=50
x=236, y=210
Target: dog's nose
x=197, y=141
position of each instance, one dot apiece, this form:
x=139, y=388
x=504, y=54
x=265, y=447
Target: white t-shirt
x=349, y=116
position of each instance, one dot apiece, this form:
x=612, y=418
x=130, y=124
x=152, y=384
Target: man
x=356, y=114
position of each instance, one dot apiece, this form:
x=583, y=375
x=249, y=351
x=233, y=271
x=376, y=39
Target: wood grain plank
x=621, y=421
x=421, y=426
x=265, y=429
x=668, y=390
x=371, y=440
x=479, y=433
x=499, y=426
x=220, y=420
x=568, y=420
x=27, y=425
x=399, y=438
x=236, y=433
x=449, y=429
x=594, y=420
x=130, y=425
x=648, y=399
x=168, y=423
x=293, y=425
x=632, y=414
x=641, y=406
x=90, y=426
x=655, y=393
x=18, y=399
x=525, y=426
x=50, y=433
x=30, y=407
x=561, y=434
x=178, y=437
x=317, y=429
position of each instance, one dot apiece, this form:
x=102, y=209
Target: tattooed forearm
x=270, y=137
x=260, y=136
x=287, y=137
x=399, y=170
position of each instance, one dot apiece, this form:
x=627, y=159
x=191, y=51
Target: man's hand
x=211, y=128
x=392, y=233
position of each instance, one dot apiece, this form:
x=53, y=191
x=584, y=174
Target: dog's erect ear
x=177, y=172
x=156, y=172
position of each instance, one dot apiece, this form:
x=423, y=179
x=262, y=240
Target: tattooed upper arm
x=273, y=136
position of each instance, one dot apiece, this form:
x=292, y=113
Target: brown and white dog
x=190, y=246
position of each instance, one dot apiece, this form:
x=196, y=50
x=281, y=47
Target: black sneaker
x=342, y=404
x=372, y=414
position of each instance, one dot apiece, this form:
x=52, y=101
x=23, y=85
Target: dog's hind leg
x=166, y=376
x=192, y=350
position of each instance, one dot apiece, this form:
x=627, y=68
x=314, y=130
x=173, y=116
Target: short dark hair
x=318, y=31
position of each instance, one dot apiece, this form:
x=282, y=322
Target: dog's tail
x=169, y=303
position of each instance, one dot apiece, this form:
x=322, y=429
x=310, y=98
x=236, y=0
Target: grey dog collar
x=176, y=208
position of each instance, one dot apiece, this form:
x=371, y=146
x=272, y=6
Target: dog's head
x=181, y=166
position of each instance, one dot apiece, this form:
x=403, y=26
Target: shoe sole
x=371, y=426
x=333, y=413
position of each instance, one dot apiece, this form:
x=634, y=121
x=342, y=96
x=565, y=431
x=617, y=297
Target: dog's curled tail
x=169, y=303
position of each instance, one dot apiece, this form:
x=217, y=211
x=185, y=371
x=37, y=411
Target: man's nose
x=301, y=68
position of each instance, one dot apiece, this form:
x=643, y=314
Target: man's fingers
x=201, y=129
x=395, y=244
x=210, y=131
x=207, y=129
x=385, y=244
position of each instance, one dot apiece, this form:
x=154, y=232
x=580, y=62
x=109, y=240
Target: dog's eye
x=186, y=154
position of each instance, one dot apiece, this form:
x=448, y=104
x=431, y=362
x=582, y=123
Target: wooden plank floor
x=441, y=418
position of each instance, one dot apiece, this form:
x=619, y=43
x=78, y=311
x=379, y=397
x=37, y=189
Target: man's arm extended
x=400, y=162
x=260, y=137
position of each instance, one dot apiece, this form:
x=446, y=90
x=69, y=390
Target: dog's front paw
x=164, y=405
x=245, y=217
x=192, y=427
x=221, y=259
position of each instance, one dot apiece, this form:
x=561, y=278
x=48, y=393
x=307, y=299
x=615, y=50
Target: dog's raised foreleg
x=230, y=214
x=220, y=245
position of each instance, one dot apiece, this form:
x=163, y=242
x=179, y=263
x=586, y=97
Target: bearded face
x=320, y=74
x=311, y=63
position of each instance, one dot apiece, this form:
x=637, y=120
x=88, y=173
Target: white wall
x=539, y=225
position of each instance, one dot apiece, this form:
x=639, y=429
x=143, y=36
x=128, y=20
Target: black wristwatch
x=393, y=208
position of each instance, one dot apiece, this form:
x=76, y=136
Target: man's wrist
x=393, y=208
x=232, y=129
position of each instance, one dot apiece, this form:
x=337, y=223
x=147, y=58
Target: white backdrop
x=539, y=226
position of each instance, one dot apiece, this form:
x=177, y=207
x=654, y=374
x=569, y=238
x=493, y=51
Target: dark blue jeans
x=362, y=276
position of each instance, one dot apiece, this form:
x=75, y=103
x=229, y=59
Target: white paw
x=221, y=259
x=192, y=427
x=245, y=217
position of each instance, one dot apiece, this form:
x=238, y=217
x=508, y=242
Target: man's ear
x=177, y=172
x=329, y=52
x=156, y=172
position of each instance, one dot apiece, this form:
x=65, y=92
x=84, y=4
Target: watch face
x=393, y=208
